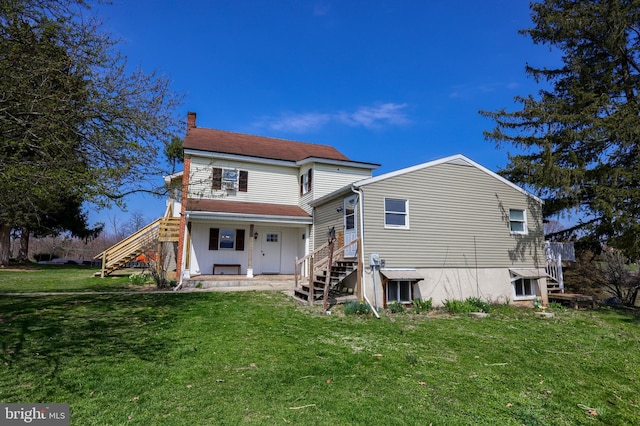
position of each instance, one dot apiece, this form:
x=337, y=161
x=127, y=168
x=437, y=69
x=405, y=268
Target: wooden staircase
x=165, y=229
x=323, y=274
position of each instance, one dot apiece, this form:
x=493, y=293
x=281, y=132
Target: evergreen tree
x=75, y=126
x=578, y=138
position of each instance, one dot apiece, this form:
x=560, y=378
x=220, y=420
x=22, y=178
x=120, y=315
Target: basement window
x=399, y=291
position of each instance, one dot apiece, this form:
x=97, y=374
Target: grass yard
x=259, y=358
x=59, y=278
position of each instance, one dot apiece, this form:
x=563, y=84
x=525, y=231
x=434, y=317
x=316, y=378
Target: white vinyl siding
x=459, y=218
x=266, y=183
x=328, y=178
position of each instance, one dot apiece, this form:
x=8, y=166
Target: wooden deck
x=576, y=301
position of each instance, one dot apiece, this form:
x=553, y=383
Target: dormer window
x=230, y=179
x=305, y=182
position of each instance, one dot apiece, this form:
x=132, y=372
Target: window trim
x=233, y=239
x=534, y=286
x=405, y=213
x=306, y=179
x=215, y=239
x=525, y=227
x=399, y=292
x=219, y=182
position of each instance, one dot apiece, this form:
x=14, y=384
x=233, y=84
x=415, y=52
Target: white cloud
x=298, y=123
x=375, y=116
x=370, y=117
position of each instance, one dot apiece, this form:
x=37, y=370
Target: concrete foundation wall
x=490, y=284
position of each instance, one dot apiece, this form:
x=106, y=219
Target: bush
x=396, y=307
x=457, y=306
x=478, y=305
x=420, y=305
x=356, y=308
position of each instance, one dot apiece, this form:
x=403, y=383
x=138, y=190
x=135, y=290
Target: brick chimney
x=191, y=120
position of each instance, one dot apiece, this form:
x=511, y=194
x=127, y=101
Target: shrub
x=478, y=305
x=396, y=307
x=420, y=305
x=457, y=306
x=356, y=308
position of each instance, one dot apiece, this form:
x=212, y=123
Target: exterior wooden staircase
x=325, y=274
x=165, y=229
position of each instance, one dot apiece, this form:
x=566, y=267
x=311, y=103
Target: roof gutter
x=360, y=194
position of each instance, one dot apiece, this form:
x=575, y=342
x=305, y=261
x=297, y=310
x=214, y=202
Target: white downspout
x=358, y=191
x=183, y=262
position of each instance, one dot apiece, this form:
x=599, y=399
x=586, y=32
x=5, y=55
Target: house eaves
x=357, y=164
x=235, y=217
x=246, y=211
x=286, y=163
x=453, y=159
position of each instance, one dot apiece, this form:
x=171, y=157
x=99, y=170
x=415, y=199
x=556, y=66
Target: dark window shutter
x=310, y=174
x=216, y=178
x=301, y=185
x=243, y=181
x=214, y=236
x=239, y=239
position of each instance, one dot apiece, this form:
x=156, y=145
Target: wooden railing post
x=104, y=263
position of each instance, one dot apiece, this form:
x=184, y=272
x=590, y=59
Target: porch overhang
x=247, y=212
x=401, y=274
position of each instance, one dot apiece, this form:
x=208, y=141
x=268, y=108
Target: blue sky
x=390, y=82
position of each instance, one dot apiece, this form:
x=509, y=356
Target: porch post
x=250, y=252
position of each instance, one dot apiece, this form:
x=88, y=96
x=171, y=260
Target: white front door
x=271, y=249
x=350, y=226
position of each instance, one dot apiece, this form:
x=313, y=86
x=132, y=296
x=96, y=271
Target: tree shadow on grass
x=41, y=335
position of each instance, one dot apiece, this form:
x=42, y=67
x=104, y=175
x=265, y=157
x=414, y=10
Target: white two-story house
x=244, y=204
x=446, y=229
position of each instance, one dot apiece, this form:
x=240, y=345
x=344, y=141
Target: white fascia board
x=345, y=163
x=341, y=191
x=449, y=159
x=236, y=157
x=169, y=178
x=236, y=217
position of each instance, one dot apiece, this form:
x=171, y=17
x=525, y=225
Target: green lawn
x=59, y=278
x=259, y=358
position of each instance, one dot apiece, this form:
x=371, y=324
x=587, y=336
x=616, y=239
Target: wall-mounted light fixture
x=339, y=209
x=255, y=235
x=303, y=236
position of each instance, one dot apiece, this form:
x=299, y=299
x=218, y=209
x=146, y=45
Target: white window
x=227, y=239
x=524, y=288
x=517, y=221
x=396, y=213
x=399, y=291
